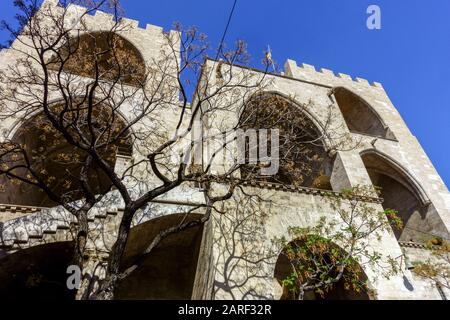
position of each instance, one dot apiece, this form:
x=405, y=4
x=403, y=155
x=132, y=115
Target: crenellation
x=345, y=76
x=130, y=23
x=324, y=76
x=153, y=28
x=107, y=20
x=308, y=67
x=50, y=3
x=362, y=80
x=76, y=10
x=3, y=52
x=327, y=72
x=174, y=34
x=378, y=85
x=101, y=17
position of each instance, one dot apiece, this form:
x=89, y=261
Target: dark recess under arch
x=359, y=116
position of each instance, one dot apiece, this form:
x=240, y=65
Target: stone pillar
x=349, y=171
x=204, y=275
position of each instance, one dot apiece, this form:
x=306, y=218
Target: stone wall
x=237, y=255
x=303, y=85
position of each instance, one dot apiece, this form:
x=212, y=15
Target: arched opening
x=169, y=271
x=304, y=160
x=58, y=164
x=359, y=116
x=298, y=261
x=399, y=193
x=117, y=59
x=38, y=273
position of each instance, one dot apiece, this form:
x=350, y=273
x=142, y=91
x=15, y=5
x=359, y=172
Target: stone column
x=204, y=276
x=349, y=171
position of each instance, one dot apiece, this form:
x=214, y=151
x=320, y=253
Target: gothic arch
x=29, y=116
x=359, y=115
x=37, y=273
x=169, y=272
x=56, y=159
x=398, y=170
x=308, y=164
x=316, y=123
x=401, y=192
x=118, y=59
x=283, y=269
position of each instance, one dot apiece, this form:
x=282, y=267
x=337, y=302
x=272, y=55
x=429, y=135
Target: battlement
x=74, y=12
x=327, y=77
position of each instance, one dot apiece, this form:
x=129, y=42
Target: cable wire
x=219, y=49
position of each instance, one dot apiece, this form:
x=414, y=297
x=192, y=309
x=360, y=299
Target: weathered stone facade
x=220, y=260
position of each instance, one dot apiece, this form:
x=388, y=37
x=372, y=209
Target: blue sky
x=410, y=55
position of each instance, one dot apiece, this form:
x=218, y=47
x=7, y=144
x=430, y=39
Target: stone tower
x=215, y=261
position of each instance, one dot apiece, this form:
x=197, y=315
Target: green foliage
x=395, y=221
x=437, y=268
x=333, y=250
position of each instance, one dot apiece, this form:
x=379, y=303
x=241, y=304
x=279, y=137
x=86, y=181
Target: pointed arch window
x=104, y=54
x=58, y=163
x=360, y=116
x=400, y=192
x=304, y=160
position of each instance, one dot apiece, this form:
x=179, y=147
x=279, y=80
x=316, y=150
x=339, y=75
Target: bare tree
x=84, y=98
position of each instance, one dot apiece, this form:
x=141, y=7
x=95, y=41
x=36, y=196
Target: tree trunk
x=108, y=285
x=81, y=240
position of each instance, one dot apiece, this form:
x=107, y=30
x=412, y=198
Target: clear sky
x=410, y=55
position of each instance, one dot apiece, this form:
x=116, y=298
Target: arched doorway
x=359, y=116
x=304, y=160
x=37, y=273
x=40, y=273
x=399, y=193
x=169, y=271
x=304, y=261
